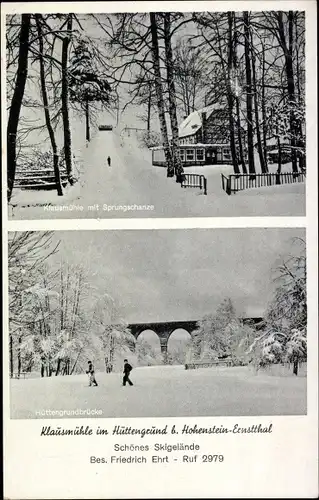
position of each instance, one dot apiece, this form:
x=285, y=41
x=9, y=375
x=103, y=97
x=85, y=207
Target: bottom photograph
x=157, y=323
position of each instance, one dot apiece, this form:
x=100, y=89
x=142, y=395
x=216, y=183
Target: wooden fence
x=208, y=364
x=38, y=179
x=239, y=182
x=195, y=181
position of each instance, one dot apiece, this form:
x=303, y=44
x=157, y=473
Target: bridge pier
x=164, y=342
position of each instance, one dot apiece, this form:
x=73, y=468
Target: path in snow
x=131, y=180
x=168, y=391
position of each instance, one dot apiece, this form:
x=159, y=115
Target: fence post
x=228, y=186
x=205, y=185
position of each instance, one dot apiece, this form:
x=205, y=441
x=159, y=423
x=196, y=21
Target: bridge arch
x=163, y=330
x=178, y=345
x=148, y=348
x=148, y=335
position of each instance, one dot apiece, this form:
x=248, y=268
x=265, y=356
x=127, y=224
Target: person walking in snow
x=127, y=370
x=90, y=372
x=109, y=161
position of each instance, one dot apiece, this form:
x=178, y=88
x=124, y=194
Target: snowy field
x=103, y=191
x=164, y=391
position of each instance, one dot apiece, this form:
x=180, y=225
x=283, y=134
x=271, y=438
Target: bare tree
x=65, y=101
x=172, y=98
x=16, y=103
x=249, y=96
x=159, y=95
x=46, y=108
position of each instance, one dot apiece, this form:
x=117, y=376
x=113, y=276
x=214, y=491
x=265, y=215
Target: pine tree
x=87, y=83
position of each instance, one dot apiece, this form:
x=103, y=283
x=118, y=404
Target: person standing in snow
x=109, y=161
x=91, y=374
x=127, y=370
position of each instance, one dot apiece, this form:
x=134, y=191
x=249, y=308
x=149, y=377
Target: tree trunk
x=65, y=103
x=288, y=53
x=230, y=95
x=291, y=90
x=179, y=171
x=11, y=356
x=75, y=362
x=87, y=121
x=279, y=161
x=261, y=152
x=238, y=120
x=16, y=103
x=240, y=139
x=301, y=142
x=249, y=100
x=19, y=356
x=58, y=367
x=159, y=96
x=263, y=108
x=149, y=108
x=46, y=110
x=295, y=367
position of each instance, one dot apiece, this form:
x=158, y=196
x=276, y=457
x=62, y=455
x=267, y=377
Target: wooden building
x=203, y=139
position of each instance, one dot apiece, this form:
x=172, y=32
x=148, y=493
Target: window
x=190, y=155
x=200, y=154
x=182, y=154
x=226, y=153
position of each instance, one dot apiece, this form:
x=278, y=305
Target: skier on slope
x=108, y=161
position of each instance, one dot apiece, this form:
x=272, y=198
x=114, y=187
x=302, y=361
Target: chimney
x=204, y=127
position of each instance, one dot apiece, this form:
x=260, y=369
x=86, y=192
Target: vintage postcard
x=160, y=294
x=142, y=115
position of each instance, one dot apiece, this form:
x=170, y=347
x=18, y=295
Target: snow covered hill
x=107, y=192
x=163, y=391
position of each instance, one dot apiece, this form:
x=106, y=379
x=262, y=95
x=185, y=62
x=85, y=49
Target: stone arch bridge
x=164, y=329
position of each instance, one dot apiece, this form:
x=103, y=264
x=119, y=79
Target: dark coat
x=127, y=368
x=91, y=368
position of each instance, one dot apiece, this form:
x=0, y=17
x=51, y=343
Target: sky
x=165, y=275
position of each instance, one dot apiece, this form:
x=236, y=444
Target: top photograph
x=155, y=114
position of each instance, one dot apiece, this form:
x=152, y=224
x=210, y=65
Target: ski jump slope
x=132, y=180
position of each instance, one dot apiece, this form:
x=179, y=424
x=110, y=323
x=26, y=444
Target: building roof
x=198, y=144
x=193, y=122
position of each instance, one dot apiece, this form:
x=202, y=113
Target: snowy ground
x=164, y=391
x=131, y=180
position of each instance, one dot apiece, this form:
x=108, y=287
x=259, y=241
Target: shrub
x=150, y=139
x=35, y=159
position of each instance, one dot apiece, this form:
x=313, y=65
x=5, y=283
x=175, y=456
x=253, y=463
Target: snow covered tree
x=115, y=338
x=28, y=292
x=88, y=84
x=296, y=348
x=212, y=337
x=178, y=351
x=146, y=354
x=284, y=334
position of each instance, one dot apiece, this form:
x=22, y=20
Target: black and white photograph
x=156, y=114
x=160, y=291
x=157, y=323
